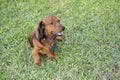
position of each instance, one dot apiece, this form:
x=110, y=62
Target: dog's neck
x=51, y=40
x=52, y=44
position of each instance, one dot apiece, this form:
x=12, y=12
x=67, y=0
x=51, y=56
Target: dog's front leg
x=50, y=54
x=35, y=56
x=61, y=38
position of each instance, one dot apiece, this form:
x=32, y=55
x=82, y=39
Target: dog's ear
x=41, y=31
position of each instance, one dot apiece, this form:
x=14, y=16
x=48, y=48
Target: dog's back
x=33, y=35
x=30, y=39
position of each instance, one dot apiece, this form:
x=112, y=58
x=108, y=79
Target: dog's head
x=50, y=27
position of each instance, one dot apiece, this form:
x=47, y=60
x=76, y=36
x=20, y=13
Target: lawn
x=91, y=50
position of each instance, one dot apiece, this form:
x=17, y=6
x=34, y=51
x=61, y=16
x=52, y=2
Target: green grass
x=91, y=50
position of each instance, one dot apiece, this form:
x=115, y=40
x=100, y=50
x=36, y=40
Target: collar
x=51, y=41
x=52, y=47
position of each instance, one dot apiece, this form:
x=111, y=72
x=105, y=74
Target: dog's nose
x=63, y=28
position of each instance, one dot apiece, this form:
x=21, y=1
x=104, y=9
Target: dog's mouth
x=60, y=33
x=57, y=34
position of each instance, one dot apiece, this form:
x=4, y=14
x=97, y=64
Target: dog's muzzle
x=59, y=33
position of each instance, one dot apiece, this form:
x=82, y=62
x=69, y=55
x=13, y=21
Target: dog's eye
x=51, y=23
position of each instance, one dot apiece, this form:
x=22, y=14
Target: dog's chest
x=50, y=43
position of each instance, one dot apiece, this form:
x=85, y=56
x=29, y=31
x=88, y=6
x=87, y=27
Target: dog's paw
x=36, y=64
x=53, y=58
x=61, y=38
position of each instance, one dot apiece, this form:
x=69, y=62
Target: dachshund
x=44, y=37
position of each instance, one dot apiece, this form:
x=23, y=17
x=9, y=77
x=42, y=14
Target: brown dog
x=44, y=37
